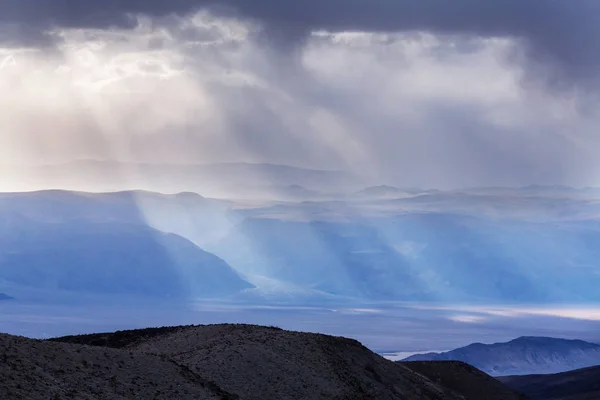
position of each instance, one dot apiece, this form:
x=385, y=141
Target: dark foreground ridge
x=581, y=384
x=226, y=362
x=463, y=378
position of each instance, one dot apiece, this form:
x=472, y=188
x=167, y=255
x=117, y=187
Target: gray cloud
x=562, y=35
x=409, y=109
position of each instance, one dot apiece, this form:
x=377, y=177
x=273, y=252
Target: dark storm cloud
x=561, y=33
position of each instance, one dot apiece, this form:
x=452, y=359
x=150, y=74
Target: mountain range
x=421, y=248
x=522, y=356
x=229, y=179
x=421, y=256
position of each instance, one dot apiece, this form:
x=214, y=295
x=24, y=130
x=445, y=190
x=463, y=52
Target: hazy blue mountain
x=508, y=260
x=556, y=191
x=283, y=192
x=219, y=178
x=5, y=297
x=503, y=204
x=346, y=259
x=436, y=256
x=110, y=258
x=187, y=214
x=522, y=356
x=386, y=191
x=381, y=249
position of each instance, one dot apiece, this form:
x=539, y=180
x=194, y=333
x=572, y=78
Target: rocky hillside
x=226, y=362
x=32, y=370
x=582, y=384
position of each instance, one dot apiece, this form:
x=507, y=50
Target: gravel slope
x=32, y=369
x=222, y=361
x=267, y=363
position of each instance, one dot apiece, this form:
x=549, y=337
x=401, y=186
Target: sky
x=431, y=93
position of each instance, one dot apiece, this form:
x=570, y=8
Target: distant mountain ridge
x=522, y=356
x=387, y=191
x=442, y=247
x=187, y=214
x=171, y=177
x=368, y=249
x=5, y=297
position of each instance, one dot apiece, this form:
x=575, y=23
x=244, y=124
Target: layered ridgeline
x=433, y=256
x=190, y=215
x=60, y=241
x=522, y=356
x=494, y=245
x=225, y=362
x=238, y=179
x=533, y=244
x=5, y=297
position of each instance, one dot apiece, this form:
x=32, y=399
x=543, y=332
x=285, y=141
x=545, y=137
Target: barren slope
x=226, y=361
x=33, y=369
x=269, y=363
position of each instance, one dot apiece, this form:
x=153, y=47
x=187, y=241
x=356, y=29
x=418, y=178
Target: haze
x=434, y=95
x=325, y=165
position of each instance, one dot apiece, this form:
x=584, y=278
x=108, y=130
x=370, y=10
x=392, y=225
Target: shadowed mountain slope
x=110, y=258
x=582, y=384
x=463, y=378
